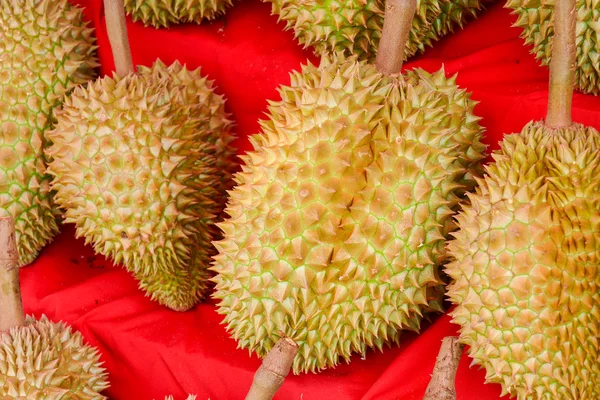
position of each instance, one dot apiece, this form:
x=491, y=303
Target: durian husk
x=525, y=265
x=139, y=165
x=198, y=95
x=46, y=49
x=354, y=27
x=45, y=360
x=537, y=22
x=337, y=223
x=164, y=13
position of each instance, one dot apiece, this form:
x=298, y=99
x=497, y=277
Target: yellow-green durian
x=46, y=49
x=163, y=13
x=537, y=21
x=336, y=228
x=200, y=100
x=526, y=265
x=46, y=360
x=355, y=26
x=137, y=166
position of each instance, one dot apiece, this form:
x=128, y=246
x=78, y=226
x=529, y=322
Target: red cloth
x=151, y=351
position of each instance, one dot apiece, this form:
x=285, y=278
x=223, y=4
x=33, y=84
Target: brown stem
x=562, y=64
x=11, y=306
x=441, y=386
x=275, y=366
x=116, y=27
x=398, y=20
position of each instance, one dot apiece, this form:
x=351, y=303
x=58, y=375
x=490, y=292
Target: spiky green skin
x=354, y=26
x=45, y=50
x=47, y=361
x=135, y=168
x=198, y=96
x=163, y=13
x=526, y=265
x=537, y=21
x=336, y=226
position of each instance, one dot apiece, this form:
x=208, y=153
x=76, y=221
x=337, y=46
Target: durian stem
x=275, y=367
x=11, y=305
x=562, y=65
x=441, y=386
x=398, y=20
x=116, y=26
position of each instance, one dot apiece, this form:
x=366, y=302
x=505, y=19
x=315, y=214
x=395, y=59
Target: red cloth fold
x=150, y=351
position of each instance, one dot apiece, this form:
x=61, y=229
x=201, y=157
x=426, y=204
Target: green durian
x=336, y=227
x=46, y=360
x=526, y=265
x=355, y=26
x=198, y=93
x=536, y=21
x=526, y=258
x=46, y=49
x=138, y=165
x=163, y=13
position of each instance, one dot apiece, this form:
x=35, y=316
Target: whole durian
x=535, y=18
x=526, y=257
x=163, y=13
x=355, y=26
x=140, y=165
x=336, y=226
x=46, y=49
x=46, y=360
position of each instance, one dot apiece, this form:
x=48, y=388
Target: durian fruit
x=40, y=359
x=536, y=21
x=163, y=13
x=46, y=360
x=335, y=230
x=355, y=26
x=526, y=258
x=46, y=49
x=141, y=166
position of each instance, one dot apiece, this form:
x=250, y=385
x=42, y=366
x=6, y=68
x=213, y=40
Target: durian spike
x=275, y=367
x=116, y=26
x=441, y=386
x=397, y=22
x=11, y=305
x=562, y=65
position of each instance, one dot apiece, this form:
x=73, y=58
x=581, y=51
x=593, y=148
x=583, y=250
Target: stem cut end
x=116, y=26
x=441, y=386
x=275, y=367
x=562, y=64
x=398, y=19
x=11, y=305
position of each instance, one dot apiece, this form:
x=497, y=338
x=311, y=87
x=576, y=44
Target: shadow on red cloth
x=150, y=351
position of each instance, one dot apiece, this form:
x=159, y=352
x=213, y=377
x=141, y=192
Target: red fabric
x=150, y=351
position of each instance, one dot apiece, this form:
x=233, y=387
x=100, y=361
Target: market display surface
x=248, y=64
